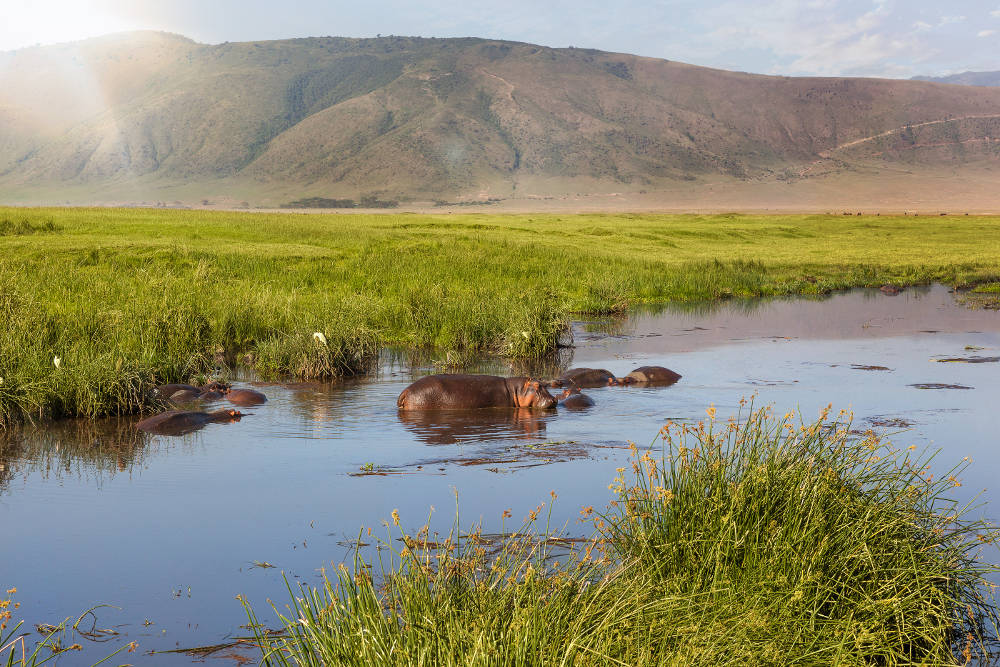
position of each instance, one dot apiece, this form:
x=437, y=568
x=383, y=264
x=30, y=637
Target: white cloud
x=921, y=25
x=945, y=20
x=986, y=33
x=995, y=13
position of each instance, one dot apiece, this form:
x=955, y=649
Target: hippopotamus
x=168, y=390
x=462, y=392
x=572, y=399
x=211, y=391
x=584, y=377
x=179, y=422
x=245, y=397
x=891, y=290
x=651, y=375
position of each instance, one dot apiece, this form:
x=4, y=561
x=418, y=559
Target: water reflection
x=96, y=449
x=449, y=427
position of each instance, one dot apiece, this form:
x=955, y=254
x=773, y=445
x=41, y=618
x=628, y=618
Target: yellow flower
x=395, y=517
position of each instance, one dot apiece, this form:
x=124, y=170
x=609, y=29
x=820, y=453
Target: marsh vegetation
x=99, y=305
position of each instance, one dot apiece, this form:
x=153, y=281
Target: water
x=168, y=529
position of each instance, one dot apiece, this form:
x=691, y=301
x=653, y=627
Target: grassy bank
x=128, y=298
x=761, y=541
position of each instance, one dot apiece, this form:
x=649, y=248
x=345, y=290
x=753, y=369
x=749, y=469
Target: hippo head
x=226, y=415
x=566, y=393
x=621, y=382
x=532, y=394
x=216, y=386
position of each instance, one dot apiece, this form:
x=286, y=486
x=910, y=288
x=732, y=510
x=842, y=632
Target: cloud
x=995, y=13
x=986, y=33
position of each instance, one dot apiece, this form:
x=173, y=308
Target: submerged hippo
x=179, y=422
x=463, y=392
x=245, y=397
x=651, y=375
x=211, y=391
x=168, y=390
x=572, y=399
x=584, y=377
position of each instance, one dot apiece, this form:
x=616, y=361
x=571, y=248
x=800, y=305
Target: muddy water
x=170, y=529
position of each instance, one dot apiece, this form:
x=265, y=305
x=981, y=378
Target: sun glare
x=29, y=22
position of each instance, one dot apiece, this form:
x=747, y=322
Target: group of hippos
x=465, y=392
x=433, y=392
x=178, y=422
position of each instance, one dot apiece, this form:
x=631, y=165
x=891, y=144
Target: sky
x=890, y=38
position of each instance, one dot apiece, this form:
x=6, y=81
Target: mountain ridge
x=465, y=118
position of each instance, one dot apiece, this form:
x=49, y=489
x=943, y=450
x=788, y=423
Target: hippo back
x=654, y=375
x=587, y=377
x=465, y=392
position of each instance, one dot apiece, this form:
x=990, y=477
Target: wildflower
x=11, y=591
x=587, y=511
x=133, y=646
x=75, y=647
x=507, y=514
x=320, y=338
x=553, y=494
x=711, y=411
x=56, y=360
x=395, y=516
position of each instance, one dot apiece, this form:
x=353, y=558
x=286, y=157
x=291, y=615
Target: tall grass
x=130, y=298
x=756, y=541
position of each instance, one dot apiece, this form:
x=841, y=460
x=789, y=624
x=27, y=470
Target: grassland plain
x=756, y=541
x=98, y=305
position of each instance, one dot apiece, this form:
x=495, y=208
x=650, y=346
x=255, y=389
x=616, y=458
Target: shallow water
x=168, y=528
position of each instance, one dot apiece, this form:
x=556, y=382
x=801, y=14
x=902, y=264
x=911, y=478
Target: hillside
x=966, y=78
x=145, y=117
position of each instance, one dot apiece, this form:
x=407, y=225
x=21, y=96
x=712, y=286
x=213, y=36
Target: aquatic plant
x=760, y=540
x=17, y=651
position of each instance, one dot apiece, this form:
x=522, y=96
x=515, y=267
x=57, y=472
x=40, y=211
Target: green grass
x=754, y=542
x=131, y=297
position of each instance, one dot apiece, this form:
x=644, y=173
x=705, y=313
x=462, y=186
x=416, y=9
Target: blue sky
x=893, y=38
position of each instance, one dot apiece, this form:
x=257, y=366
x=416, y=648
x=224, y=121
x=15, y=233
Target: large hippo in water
x=651, y=375
x=179, y=422
x=585, y=378
x=463, y=392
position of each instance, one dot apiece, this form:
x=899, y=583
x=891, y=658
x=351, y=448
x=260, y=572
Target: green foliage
x=132, y=297
x=759, y=541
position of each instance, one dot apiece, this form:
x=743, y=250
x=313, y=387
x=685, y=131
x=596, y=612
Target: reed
x=761, y=540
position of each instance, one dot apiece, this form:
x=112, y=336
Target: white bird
x=320, y=337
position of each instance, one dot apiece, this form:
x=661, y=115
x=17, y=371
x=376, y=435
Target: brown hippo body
x=465, y=392
x=585, y=378
x=245, y=397
x=168, y=390
x=572, y=399
x=651, y=375
x=179, y=422
x=183, y=393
